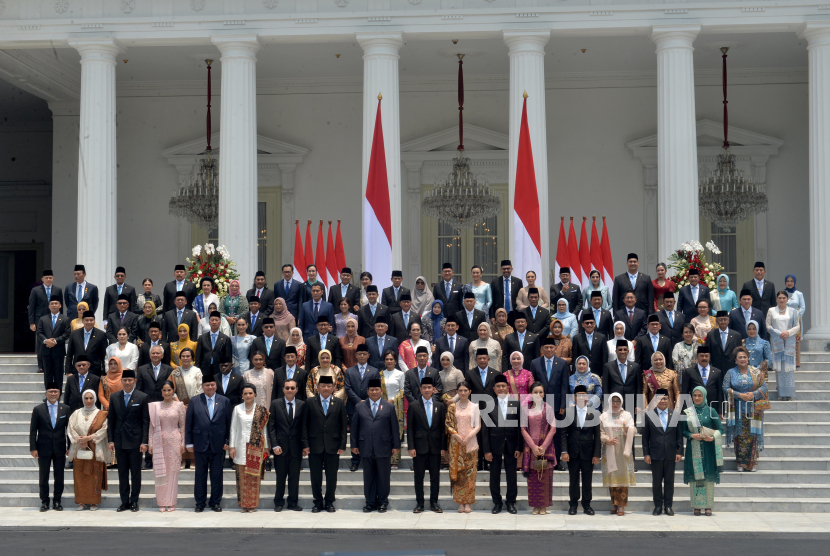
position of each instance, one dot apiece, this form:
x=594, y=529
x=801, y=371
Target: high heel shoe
x=535, y=511
x=613, y=510
x=543, y=511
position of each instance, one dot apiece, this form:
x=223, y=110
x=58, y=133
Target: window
x=737, y=246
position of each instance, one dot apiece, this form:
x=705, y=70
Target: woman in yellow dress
x=177, y=347
x=326, y=369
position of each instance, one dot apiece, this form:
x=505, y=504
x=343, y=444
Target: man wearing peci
x=326, y=441
x=505, y=290
x=260, y=291
x=652, y=341
x=315, y=307
x=80, y=290
x=591, y=344
x=671, y=321
x=662, y=450
x=52, y=333
x=761, y=289
x=269, y=344
x=379, y=342
x=690, y=294
x=502, y=445
x=369, y=314
x=179, y=314
x=119, y=288
x=470, y=318
x=288, y=437
x=345, y=289
x=426, y=439
x=150, y=379
x=538, y=318
x=740, y=317
x=212, y=346
x=324, y=339
x=604, y=319
x=178, y=284
x=553, y=373
x=581, y=450
x=78, y=383
x=254, y=316
x=289, y=371
x=567, y=291
x=154, y=333
x=633, y=317
x=88, y=341
x=122, y=317
x=453, y=342
x=47, y=444
x=448, y=291
x=401, y=320
x=624, y=378
x=289, y=289
x=392, y=294
x=706, y=375
x=128, y=427
x=39, y=299
x=522, y=340
x=357, y=389
x=634, y=281
x=414, y=377
x=722, y=343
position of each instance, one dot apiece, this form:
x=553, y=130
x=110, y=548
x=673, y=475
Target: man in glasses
x=288, y=437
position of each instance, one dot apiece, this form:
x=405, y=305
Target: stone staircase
x=793, y=474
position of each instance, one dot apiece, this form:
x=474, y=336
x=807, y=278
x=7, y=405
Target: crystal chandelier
x=727, y=197
x=198, y=199
x=463, y=199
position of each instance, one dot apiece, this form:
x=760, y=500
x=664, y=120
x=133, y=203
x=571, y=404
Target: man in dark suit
x=356, y=385
x=553, y=373
x=150, y=379
x=254, y=316
x=505, y=290
x=604, y=319
x=122, y=317
x=740, y=317
x=662, y=450
x=565, y=290
x=288, y=437
x=179, y=284
x=633, y=317
x=581, y=449
x=470, y=318
x=323, y=339
x=154, y=333
x=128, y=427
x=414, y=377
x=392, y=294
x=380, y=342
x=722, y=343
x=212, y=346
x=180, y=314
x=624, y=378
x=401, y=320
x=671, y=321
x=229, y=383
x=591, y=344
x=448, y=291
x=311, y=310
x=634, y=281
x=521, y=340
x=270, y=345
x=538, y=318
x=78, y=383
x=326, y=441
x=89, y=341
x=47, y=444
x=39, y=299
x=289, y=289
x=706, y=375
x=653, y=341
x=453, y=342
x=290, y=371
x=112, y=293
x=52, y=333
x=368, y=314
x=207, y=433
x=260, y=291
x=80, y=290
x=689, y=295
x=502, y=444
x=761, y=289
x=375, y=439
x=426, y=439
x=481, y=379
x=345, y=290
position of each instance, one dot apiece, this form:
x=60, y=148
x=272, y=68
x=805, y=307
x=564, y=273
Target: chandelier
x=197, y=200
x=727, y=197
x=463, y=199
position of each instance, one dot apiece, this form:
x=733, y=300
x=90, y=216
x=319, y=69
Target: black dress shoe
x=277, y=508
x=367, y=509
x=123, y=508
x=559, y=467
x=330, y=508
x=418, y=509
x=44, y=507
x=572, y=510
x=511, y=508
x=69, y=465
x=148, y=466
x=669, y=511
x=382, y=508
x=216, y=508
x=134, y=507
x=657, y=511
x=200, y=508
x=497, y=508
x=353, y=467
x=57, y=506
x=316, y=509
x=436, y=508
x=295, y=508
x=588, y=510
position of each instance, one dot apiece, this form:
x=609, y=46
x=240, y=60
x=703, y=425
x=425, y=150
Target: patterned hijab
x=422, y=299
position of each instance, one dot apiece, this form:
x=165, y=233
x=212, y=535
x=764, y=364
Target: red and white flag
x=299, y=256
x=320, y=258
x=377, y=212
x=596, y=249
x=561, y=250
x=573, y=256
x=331, y=259
x=309, y=246
x=607, y=260
x=584, y=253
x=339, y=252
x=527, y=235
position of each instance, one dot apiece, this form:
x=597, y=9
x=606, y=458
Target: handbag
x=540, y=463
x=85, y=454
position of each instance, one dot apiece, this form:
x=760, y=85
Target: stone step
x=811, y=416
x=806, y=395
x=22, y=387
x=815, y=357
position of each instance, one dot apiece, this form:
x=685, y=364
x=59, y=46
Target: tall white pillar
x=65, y=134
x=677, y=187
x=818, y=53
x=380, y=75
x=97, y=200
x=527, y=74
x=238, y=152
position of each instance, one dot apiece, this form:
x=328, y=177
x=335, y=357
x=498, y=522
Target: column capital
x=237, y=46
x=816, y=33
x=97, y=48
x=674, y=36
x=529, y=40
x=380, y=43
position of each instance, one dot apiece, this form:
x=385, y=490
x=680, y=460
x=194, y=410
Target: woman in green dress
x=704, y=454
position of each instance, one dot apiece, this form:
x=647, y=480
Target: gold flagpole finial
x=380, y=96
x=525, y=95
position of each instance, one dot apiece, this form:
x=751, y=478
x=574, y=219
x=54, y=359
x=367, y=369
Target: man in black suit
x=122, y=317
x=89, y=341
x=653, y=341
x=448, y=291
x=375, y=439
x=179, y=284
x=706, y=375
x=689, y=295
x=288, y=437
x=47, y=444
x=368, y=314
x=112, y=293
x=260, y=291
x=380, y=342
x=426, y=439
x=128, y=427
x=212, y=346
x=624, y=378
x=326, y=441
x=581, y=449
x=254, y=316
x=505, y=290
x=401, y=320
x=356, y=385
x=739, y=318
x=324, y=339
x=39, y=299
x=567, y=291
x=722, y=343
x=671, y=321
x=470, y=318
x=150, y=379
x=52, y=333
x=414, y=377
x=290, y=290
x=604, y=319
x=272, y=346
x=180, y=314
x=634, y=281
x=207, y=432
x=481, y=379
x=521, y=340
x=229, y=383
x=761, y=289
x=392, y=294
x=78, y=383
x=502, y=444
x=154, y=333
x=633, y=317
x=553, y=373
x=345, y=290
x=453, y=342
x=80, y=290
x=538, y=318
x=591, y=344
x=662, y=450
x=290, y=371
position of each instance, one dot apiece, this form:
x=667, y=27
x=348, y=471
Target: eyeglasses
x=289, y=388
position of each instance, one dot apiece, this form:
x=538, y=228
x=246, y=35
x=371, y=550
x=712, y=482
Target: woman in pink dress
x=518, y=378
x=167, y=446
x=539, y=458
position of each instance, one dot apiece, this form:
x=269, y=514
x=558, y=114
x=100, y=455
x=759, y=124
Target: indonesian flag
x=527, y=236
x=331, y=259
x=320, y=258
x=309, y=247
x=561, y=250
x=596, y=249
x=573, y=256
x=299, y=256
x=584, y=252
x=339, y=252
x=377, y=213
x=607, y=260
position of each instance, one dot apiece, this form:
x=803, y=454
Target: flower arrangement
x=214, y=262
x=691, y=255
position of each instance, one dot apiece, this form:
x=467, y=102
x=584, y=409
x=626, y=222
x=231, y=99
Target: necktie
x=268, y=345
x=54, y=320
x=507, y=295
x=548, y=363
x=253, y=322
x=53, y=413
x=622, y=371
x=723, y=339
x=258, y=292
x=694, y=293
x=421, y=373
x=483, y=376
x=747, y=316
x=633, y=281
x=80, y=292
x=225, y=379
x=533, y=310
x=380, y=345
x=122, y=318
x=179, y=286
x=428, y=408
x=86, y=338
x=590, y=338
x=663, y=420
x=631, y=316
x=396, y=293
x=503, y=406
x=81, y=380
x=362, y=370
x=452, y=344
x=521, y=341
x=48, y=293
x=654, y=342
x=374, y=409
x=119, y=289
x=213, y=340
x=290, y=372
x=372, y=307
x=290, y=412
x=447, y=289
x=596, y=315
x=156, y=372
x=287, y=287
x=316, y=309
x=343, y=288
x=406, y=320
x=671, y=319
x=180, y=317
x=704, y=373
x=127, y=399
x=210, y=407
x=325, y=407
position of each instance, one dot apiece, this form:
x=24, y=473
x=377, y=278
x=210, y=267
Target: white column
x=97, y=201
x=65, y=134
x=677, y=195
x=527, y=73
x=288, y=222
x=380, y=75
x=238, y=152
x=818, y=298
x=413, y=224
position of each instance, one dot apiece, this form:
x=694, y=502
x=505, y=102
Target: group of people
x=475, y=377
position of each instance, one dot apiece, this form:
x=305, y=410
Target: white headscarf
x=86, y=409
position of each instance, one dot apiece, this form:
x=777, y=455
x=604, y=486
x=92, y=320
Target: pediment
x=710, y=136
x=475, y=139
